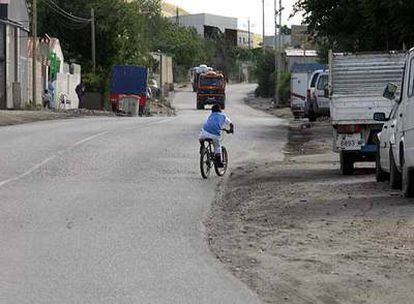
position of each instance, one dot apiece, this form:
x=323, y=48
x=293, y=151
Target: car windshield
x=314, y=79
x=323, y=81
x=210, y=82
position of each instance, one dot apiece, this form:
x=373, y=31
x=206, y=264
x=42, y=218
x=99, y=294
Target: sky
x=243, y=10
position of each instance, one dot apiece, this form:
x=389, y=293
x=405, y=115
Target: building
x=210, y=26
x=299, y=56
x=60, y=78
x=14, y=60
x=301, y=37
x=269, y=41
x=245, y=39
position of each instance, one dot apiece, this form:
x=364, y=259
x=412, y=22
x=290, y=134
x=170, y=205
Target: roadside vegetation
x=359, y=26
x=127, y=33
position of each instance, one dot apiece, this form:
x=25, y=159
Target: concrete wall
x=2, y=66
x=269, y=41
x=13, y=38
x=198, y=22
x=66, y=83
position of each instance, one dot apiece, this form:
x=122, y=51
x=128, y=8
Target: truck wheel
x=395, y=175
x=347, y=163
x=407, y=182
x=380, y=175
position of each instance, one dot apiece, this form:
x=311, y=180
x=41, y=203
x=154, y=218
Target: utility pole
x=249, y=34
x=279, y=53
x=93, y=39
x=276, y=57
x=177, y=16
x=278, y=48
x=34, y=52
x=264, y=26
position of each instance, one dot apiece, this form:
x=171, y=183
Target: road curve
x=110, y=210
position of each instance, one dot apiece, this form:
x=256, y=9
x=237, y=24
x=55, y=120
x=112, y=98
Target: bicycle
x=208, y=158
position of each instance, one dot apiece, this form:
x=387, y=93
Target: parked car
x=319, y=103
x=385, y=160
x=402, y=150
x=303, y=82
x=355, y=91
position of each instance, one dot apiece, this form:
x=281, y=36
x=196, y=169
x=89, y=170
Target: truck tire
x=407, y=182
x=395, y=175
x=380, y=175
x=347, y=163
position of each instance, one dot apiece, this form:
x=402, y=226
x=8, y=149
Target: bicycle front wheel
x=225, y=160
x=205, y=163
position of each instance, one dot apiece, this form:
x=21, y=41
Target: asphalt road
x=111, y=210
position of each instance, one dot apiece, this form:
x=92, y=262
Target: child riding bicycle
x=213, y=128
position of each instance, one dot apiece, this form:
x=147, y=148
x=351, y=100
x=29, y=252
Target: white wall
x=66, y=84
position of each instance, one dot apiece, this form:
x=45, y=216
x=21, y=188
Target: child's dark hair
x=216, y=108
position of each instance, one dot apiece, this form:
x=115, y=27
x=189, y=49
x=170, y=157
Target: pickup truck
x=319, y=103
x=401, y=150
x=356, y=85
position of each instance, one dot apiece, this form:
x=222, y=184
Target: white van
x=402, y=151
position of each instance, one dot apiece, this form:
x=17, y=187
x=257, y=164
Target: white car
x=320, y=102
x=386, y=168
x=310, y=92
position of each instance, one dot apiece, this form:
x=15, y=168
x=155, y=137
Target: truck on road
x=129, y=89
x=211, y=90
x=356, y=85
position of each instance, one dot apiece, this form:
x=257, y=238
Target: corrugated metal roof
x=366, y=74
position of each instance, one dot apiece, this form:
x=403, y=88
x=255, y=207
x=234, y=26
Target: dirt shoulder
x=8, y=118
x=267, y=105
x=298, y=232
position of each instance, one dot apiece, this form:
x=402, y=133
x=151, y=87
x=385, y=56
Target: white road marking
x=47, y=160
x=77, y=144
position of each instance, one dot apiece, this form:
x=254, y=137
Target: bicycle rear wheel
x=225, y=161
x=205, y=163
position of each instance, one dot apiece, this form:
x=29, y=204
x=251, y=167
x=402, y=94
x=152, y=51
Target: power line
x=53, y=6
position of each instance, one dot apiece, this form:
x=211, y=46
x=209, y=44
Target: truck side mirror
x=390, y=91
x=380, y=117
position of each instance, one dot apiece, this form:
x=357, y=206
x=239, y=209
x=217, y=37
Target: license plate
x=349, y=141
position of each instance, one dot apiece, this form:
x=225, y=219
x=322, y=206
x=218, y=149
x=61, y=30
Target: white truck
x=356, y=86
x=300, y=81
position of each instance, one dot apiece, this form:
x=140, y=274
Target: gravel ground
x=297, y=231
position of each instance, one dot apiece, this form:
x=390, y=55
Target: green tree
x=360, y=25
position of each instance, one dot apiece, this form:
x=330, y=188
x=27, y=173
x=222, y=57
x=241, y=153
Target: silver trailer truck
x=356, y=86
